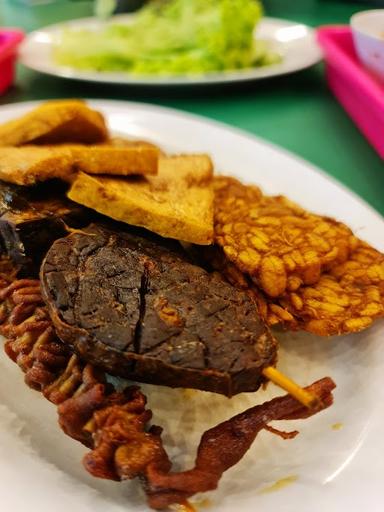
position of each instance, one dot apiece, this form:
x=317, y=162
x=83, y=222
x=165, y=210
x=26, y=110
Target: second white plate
x=295, y=42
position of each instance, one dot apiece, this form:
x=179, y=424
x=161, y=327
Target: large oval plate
x=328, y=469
x=296, y=43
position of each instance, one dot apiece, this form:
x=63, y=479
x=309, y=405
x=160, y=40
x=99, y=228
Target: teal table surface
x=297, y=112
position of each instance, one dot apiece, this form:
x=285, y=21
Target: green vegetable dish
x=172, y=37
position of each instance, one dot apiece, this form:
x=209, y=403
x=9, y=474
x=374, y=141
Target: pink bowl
x=9, y=41
x=357, y=90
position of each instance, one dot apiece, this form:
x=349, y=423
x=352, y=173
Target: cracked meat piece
x=140, y=309
x=55, y=122
x=32, y=218
x=273, y=240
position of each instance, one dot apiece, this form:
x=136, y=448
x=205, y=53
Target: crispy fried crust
x=114, y=159
x=114, y=424
x=274, y=241
x=55, y=122
x=347, y=298
x=177, y=203
x=28, y=165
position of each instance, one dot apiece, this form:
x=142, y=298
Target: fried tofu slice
x=124, y=142
x=347, y=298
x=177, y=203
x=55, y=122
x=113, y=159
x=278, y=244
x=28, y=165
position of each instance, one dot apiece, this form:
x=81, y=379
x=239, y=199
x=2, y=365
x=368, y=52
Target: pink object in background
x=9, y=41
x=358, y=91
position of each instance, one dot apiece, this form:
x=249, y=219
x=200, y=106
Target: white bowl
x=368, y=35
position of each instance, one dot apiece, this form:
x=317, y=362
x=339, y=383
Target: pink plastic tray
x=9, y=40
x=359, y=93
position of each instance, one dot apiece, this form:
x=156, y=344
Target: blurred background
x=32, y=14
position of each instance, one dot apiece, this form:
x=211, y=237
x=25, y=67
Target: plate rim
x=224, y=77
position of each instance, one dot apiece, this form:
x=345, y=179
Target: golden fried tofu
x=118, y=160
x=177, y=203
x=276, y=242
x=124, y=142
x=55, y=122
x=27, y=165
x=30, y=164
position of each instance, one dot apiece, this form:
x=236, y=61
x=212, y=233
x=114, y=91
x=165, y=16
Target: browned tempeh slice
x=273, y=240
x=347, y=298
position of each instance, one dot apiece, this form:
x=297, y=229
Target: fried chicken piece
x=28, y=165
x=274, y=241
x=55, y=122
x=347, y=298
x=113, y=424
x=177, y=203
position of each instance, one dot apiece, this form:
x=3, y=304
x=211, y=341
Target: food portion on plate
x=87, y=296
x=305, y=271
x=176, y=203
x=139, y=308
x=31, y=218
x=53, y=122
x=175, y=37
x=114, y=423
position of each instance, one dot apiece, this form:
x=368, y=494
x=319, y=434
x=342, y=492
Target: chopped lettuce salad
x=169, y=37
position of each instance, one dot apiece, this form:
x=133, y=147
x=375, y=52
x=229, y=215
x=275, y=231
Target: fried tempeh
x=347, y=298
x=28, y=165
x=55, y=122
x=274, y=241
x=177, y=203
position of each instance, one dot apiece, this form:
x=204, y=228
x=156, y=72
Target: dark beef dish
x=140, y=309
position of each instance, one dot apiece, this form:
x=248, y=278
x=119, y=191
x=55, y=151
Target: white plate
x=296, y=42
x=336, y=470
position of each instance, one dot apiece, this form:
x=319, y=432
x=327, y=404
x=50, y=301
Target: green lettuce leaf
x=172, y=37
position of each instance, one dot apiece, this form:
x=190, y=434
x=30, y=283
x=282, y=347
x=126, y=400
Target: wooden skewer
x=182, y=507
x=301, y=395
